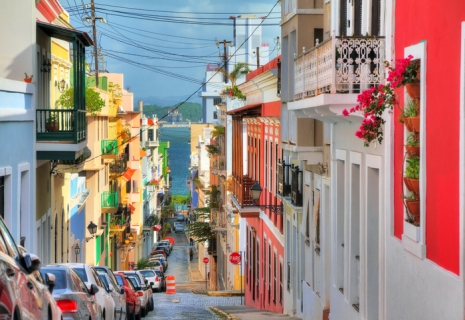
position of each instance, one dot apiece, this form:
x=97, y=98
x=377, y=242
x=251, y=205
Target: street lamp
x=255, y=192
x=131, y=237
x=77, y=250
x=92, y=227
x=126, y=241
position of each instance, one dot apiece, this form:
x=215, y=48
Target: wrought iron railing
x=339, y=64
x=284, y=187
x=296, y=186
x=109, y=199
x=119, y=165
x=61, y=125
x=109, y=146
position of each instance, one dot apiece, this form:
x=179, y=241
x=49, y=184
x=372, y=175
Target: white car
x=104, y=299
x=117, y=293
x=156, y=264
x=180, y=217
x=152, y=277
x=179, y=228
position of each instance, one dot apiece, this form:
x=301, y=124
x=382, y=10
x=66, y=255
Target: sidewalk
x=249, y=313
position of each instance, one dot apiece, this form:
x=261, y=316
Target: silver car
x=118, y=295
x=71, y=294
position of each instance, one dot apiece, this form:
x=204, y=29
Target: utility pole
x=93, y=19
x=94, y=31
x=224, y=57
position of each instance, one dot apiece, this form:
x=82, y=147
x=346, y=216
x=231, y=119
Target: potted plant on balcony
x=212, y=149
x=28, y=79
x=94, y=103
x=52, y=122
x=412, y=204
x=412, y=145
x=412, y=174
x=410, y=117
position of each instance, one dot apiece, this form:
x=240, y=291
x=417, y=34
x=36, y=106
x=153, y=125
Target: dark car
x=163, y=246
x=21, y=294
x=71, y=293
x=161, y=251
x=162, y=279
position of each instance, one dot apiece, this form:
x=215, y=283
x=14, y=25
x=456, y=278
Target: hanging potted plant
x=405, y=72
x=412, y=146
x=28, y=79
x=412, y=174
x=410, y=117
x=413, y=209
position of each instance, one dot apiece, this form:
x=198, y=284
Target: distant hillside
x=190, y=111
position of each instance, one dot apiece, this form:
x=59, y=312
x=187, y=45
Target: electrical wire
x=192, y=94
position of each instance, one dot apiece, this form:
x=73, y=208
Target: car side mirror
x=32, y=262
x=93, y=289
x=151, y=283
x=50, y=281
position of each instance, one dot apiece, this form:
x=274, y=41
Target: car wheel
x=137, y=317
x=133, y=315
x=142, y=313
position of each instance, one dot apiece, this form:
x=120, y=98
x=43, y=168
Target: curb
x=225, y=314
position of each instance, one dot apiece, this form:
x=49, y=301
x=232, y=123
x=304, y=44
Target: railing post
x=334, y=70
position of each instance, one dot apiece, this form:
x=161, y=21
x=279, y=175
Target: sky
x=162, y=47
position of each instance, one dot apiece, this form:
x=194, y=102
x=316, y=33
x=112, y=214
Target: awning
x=132, y=208
x=65, y=33
x=157, y=227
x=143, y=153
x=245, y=109
x=128, y=174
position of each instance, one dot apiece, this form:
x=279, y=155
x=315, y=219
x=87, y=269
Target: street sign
x=205, y=260
x=235, y=258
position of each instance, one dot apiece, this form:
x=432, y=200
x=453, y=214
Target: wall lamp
x=255, y=192
x=231, y=219
x=62, y=85
x=92, y=227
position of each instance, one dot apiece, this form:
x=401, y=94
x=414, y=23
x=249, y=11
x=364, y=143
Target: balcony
x=296, y=187
x=284, y=187
x=119, y=166
x=109, y=201
x=109, y=149
x=339, y=65
x=151, y=144
x=61, y=133
x=241, y=199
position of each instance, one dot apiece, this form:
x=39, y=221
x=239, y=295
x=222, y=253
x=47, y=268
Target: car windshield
x=60, y=277
x=103, y=278
x=82, y=273
x=119, y=279
x=147, y=273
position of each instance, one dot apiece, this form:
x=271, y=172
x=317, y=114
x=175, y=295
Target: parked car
x=132, y=297
x=71, y=294
x=163, y=246
x=170, y=246
x=161, y=251
x=141, y=292
x=22, y=294
x=117, y=293
x=144, y=285
x=90, y=277
x=161, y=276
x=162, y=259
x=45, y=288
x=179, y=229
x=180, y=217
x=155, y=264
x=152, y=278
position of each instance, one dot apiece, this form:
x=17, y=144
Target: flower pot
x=51, y=126
x=28, y=80
x=412, y=151
x=413, y=207
x=413, y=90
x=412, y=124
x=412, y=185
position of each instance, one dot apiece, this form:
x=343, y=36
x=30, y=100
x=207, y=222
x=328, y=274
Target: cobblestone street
x=185, y=304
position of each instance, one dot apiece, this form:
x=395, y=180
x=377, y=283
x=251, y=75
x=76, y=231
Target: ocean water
x=179, y=157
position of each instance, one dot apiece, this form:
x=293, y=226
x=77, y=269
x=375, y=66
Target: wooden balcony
x=241, y=197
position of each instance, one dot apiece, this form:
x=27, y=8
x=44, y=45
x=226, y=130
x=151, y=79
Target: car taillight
x=156, y=278
x=69, y=306
x=140, y=293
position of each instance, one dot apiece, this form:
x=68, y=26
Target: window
x=280, y=282
x=275, y=279
x=269, y=273
x=10, y=243
x=215, y=114
x=257, y=280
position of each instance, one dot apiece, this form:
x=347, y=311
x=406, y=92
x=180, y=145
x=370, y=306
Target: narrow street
x=185, y=304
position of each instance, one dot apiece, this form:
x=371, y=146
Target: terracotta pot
x=412, y=151
x=51, y=126
x=412, y=124
x=413, y=185
x=413, y=90
x=413, y=207
x=28, y=80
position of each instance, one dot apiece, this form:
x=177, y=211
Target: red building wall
x=439, y=24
